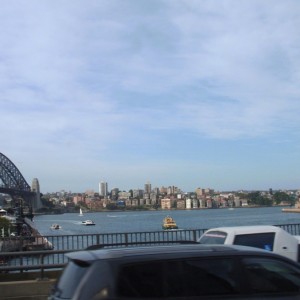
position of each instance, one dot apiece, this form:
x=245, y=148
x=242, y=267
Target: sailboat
x=80, y=213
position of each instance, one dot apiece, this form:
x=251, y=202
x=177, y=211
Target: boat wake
x=115, y=216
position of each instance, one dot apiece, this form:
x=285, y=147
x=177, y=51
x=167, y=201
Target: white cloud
x=107, y=79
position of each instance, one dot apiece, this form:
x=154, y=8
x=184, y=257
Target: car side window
x=210, y=276
x=178, y=278
x=141, y=280
x=258, y=240
x=265, y=275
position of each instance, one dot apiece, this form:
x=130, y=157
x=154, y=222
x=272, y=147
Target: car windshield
x=213, y=237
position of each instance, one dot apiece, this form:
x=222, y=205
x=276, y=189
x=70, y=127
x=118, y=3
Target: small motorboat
x=55, y=226
x=88, y=223
x=169, y=223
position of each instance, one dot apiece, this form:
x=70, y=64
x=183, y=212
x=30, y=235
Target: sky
x=182, y=93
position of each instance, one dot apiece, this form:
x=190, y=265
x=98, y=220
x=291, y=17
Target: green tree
x=46, y=202
x=255, y=198
x=283, y=197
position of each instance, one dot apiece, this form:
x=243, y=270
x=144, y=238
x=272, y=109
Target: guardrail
x=13, y=262
x=21, y=261
x=56, y=259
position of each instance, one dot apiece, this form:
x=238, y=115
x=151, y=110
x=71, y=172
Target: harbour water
x=137, y=221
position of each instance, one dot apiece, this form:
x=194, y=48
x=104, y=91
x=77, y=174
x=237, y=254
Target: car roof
x=167, y=251
x=247, y=229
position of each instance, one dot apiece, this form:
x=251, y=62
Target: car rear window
x=178, y=278
x=213, y=237
x=258, y=240
x=70, y=279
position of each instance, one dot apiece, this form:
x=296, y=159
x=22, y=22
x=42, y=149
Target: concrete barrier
x=26, y=290
x=27, y=285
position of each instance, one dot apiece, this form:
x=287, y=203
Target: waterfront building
x=135, y=202
x=209, y=203
x=166, y=203
x=237, y=201
x=153, y=197
x=188, y=203
x=201, y=203
x=195, y=203
x=153, y=201
x=181, y=204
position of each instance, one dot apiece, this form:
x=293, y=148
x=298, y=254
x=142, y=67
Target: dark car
x=178, y=272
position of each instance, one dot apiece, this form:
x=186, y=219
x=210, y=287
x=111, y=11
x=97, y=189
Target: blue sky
x=185, y=93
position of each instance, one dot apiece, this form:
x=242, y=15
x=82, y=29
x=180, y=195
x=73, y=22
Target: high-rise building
x=147, y=189
x=103, y=191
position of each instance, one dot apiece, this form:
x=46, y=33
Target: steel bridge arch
x=11, y=176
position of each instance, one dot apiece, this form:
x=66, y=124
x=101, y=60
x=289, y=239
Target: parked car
x=178, y=272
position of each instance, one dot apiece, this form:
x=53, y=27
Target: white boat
x=80, y=213
x=88, y=222
x=55, y=226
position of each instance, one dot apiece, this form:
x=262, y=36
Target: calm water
x=112, y=222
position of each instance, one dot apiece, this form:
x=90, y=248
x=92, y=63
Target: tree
x=283, y=197
x=46, y=202
x=255, y=198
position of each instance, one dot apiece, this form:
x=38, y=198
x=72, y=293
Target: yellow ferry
x=169, y=223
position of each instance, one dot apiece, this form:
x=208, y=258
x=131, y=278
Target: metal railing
x=15, y=259
x=38, y=261
x=44, y=259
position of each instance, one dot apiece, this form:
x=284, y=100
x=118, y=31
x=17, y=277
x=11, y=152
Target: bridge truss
x=15, y=185
x=11, y=176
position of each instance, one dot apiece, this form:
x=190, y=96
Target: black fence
x=48, y=252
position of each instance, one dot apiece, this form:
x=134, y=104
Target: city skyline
x=164, y=189
x=184, y=93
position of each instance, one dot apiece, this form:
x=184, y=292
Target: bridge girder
x=11, y=176
x=15, y=184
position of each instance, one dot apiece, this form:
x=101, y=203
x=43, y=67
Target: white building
x=103, y=189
